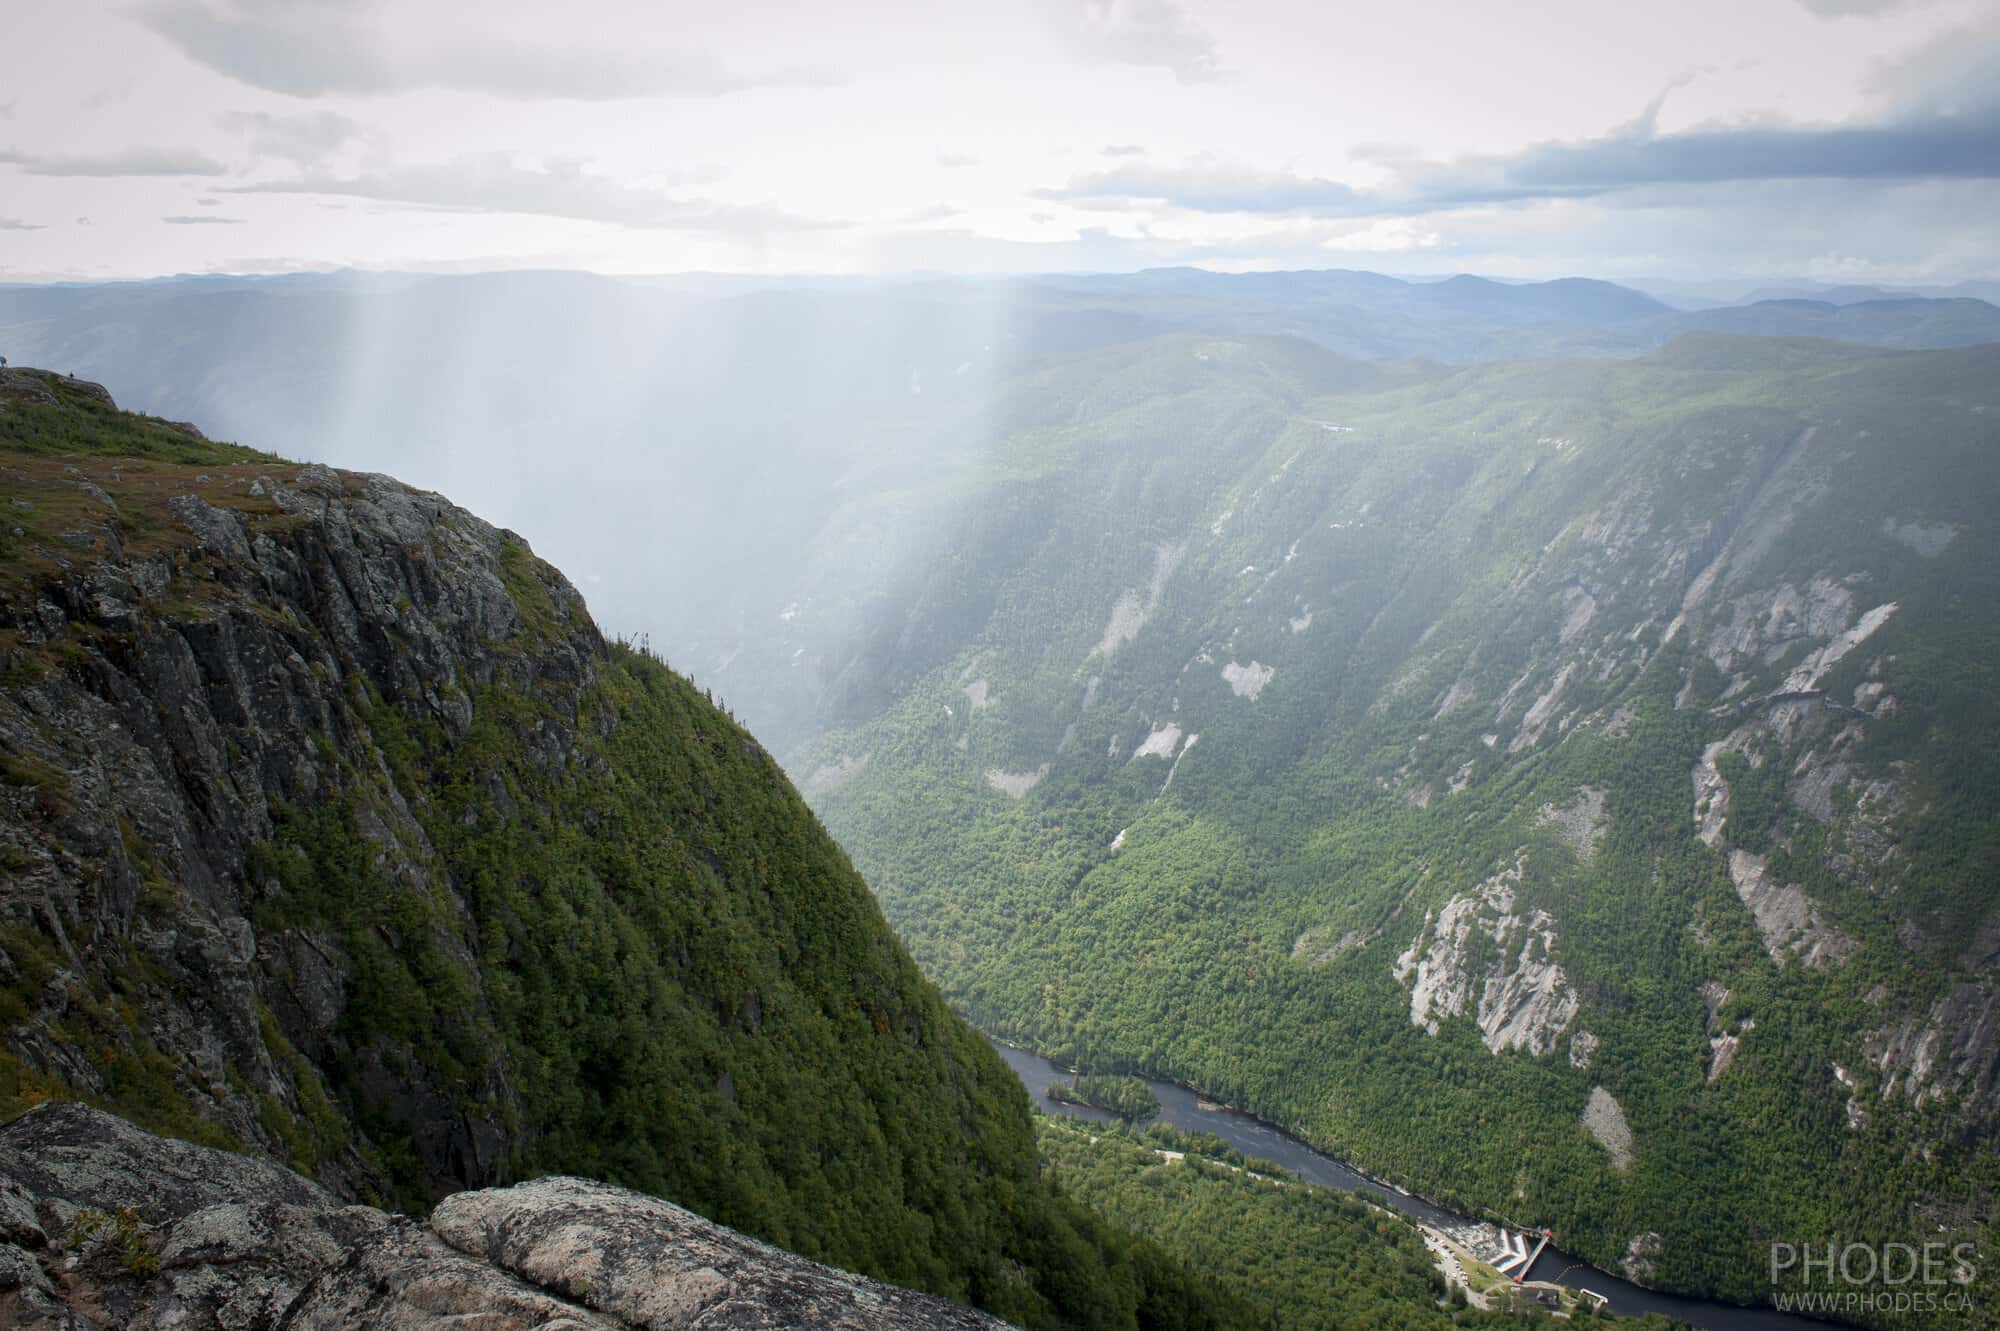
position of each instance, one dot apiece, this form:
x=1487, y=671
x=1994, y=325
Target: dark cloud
x=1854, y=8
x=16, y=224
x=564, y=188
x=210, y=220
x=304, y=140
x=317, y=47
x=1156, y=33
x=1930, y=146
x=131, y=162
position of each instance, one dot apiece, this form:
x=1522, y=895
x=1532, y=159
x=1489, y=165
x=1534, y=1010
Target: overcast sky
x=1832, y=139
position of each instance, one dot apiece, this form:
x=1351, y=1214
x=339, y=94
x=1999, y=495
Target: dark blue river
x=1183, y=1109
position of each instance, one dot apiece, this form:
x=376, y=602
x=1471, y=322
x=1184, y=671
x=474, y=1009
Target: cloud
x=1926, y=146
x=16, y=224
x=1156, y=33
x=955, y=160
x=315, y=47
x=1855, y=8
x=495, y=183
x=131, y=162
x=1122, y=150
x=304, y=140
x=1210, y=187
x=1954, y=73
x=937, y=212
x=210, y=220
x=108, y=94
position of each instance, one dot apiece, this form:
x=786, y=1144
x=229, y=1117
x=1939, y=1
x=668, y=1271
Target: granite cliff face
x=192, y=653
x=102, y=1224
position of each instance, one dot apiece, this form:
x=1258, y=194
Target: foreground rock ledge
x=105, y=1225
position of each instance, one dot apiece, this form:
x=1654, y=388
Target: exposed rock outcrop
x=103, y=1224
x=1952, y=1048
x=211, y=658
x=1605, y=1118
x=1786, y=917
x=1477, y=942
x=1581, y=823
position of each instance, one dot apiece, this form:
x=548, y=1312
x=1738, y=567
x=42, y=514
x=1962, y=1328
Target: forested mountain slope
x=641, y=429
x=1566, y=788
x=333, y=831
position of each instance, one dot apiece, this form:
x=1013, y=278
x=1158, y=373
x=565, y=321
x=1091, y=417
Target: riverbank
x=1184, y=1108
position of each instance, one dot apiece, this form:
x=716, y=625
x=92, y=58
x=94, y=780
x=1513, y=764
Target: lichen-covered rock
x=652, y=1264
x=92, y=1159
x=104, y=1224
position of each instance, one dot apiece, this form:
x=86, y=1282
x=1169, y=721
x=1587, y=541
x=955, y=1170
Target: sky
x=1834, y=140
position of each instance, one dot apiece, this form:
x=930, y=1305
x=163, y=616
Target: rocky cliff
x=333, y=831
x=102, y=1224
x=193, y=657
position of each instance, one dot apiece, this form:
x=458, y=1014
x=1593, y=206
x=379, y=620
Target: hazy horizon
x=1820, y=140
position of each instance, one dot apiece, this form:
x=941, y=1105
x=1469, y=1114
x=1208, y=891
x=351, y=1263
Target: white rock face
x=1641, y=1263
x=1247, y=681
x=1605, y=1118
x=1175, y=769
x=1582, y=1049
x=1711, y=789
x=1953, y=1047
x=1529, y=1005
x=1814, y=668
x=978, y=694
x=1722, y=1042
x=1582, y=609
x=1581, y=822
x=1928, y=539
x=1317, y=946
x=1460, y=693
x=1786, y=916
x=1721, y=1053
x=1133, y=607
x=1541, y=712
x=1015, y=784
x=1477, y=944
x=1161, y=743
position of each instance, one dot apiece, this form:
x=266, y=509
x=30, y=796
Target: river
x=1183, y=1109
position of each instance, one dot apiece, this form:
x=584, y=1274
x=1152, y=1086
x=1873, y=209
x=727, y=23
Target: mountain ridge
x=334, y=831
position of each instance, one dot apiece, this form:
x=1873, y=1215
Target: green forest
x=1433, y=664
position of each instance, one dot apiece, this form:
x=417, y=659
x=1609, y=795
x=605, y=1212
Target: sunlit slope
x=1410, y=760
